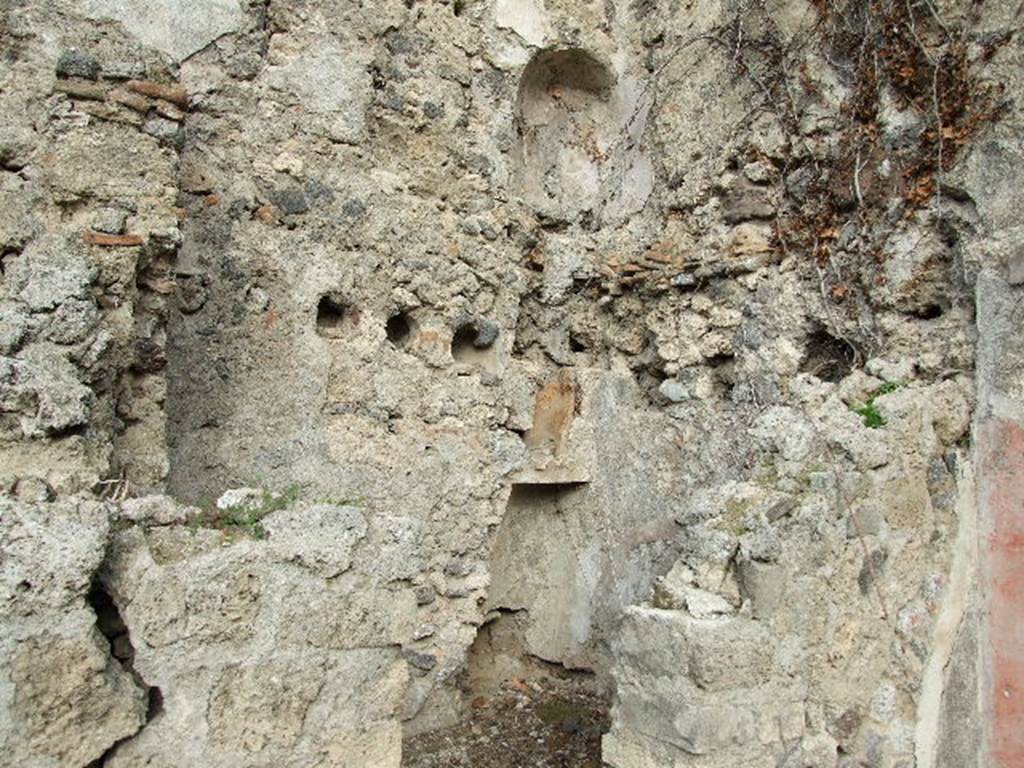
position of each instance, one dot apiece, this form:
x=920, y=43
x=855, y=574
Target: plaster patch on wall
x=175, y=27
x=324, y=77
x=527, y=18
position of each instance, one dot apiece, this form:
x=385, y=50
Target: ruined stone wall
x=361, y=356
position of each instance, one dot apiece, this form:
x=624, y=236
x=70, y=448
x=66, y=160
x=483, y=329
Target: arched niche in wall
x=579, y=150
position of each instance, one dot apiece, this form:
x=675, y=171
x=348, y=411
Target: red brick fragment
x=102, y=238
x=176, y=94
x=130, y=99
x=78, y=89
x=164, y=108
x=267, y=214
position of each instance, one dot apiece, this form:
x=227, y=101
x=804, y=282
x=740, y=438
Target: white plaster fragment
x=175, y=27
x=527, y=18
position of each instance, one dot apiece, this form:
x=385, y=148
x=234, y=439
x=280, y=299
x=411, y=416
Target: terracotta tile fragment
x=104, y=239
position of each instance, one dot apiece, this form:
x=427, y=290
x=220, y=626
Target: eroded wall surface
x=675, y=343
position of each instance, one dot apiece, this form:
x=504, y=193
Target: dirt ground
x=544, y=723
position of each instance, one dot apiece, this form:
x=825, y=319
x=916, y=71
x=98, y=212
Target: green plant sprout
x=869, y=411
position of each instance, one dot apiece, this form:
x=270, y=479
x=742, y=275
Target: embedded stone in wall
x=263, y=705
x=718, y=672
x=76, y=715
x=535, y=568
x=44, y=390
x=74, y=536
x=553, y=413
x=319, y=537
x=173, y=604
x=349, y=615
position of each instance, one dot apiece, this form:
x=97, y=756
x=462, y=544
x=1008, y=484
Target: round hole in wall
x=827, y=357
x=399, y=330
x=331, y=314
x=463, y=342
x=473, y=341
x=929, y=312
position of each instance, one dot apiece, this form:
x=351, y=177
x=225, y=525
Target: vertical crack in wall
x=112, y=626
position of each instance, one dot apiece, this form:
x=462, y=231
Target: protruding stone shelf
x=552, y=476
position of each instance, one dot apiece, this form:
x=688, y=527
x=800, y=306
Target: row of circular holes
x=332, y=314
